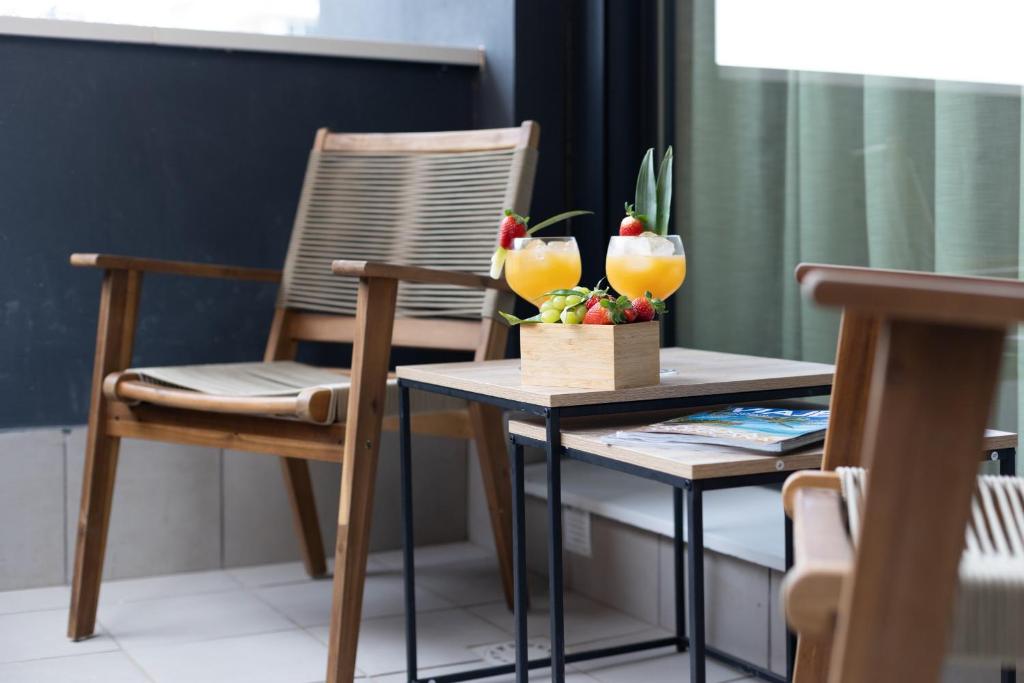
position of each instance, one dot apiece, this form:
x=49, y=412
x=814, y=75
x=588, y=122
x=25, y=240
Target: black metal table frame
x=694, y=548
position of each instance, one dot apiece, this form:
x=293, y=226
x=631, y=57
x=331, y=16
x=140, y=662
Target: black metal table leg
x=790, y=635
x=519, y=560
x=1008, y=468
x=678, y=562
x=695, y=555
x=408, y=541
x=556, y=603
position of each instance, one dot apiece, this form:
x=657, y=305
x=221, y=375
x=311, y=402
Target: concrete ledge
x=745, y=523
x=249, y=42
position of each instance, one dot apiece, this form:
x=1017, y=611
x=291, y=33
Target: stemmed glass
x=537, y=265
x=646, y=263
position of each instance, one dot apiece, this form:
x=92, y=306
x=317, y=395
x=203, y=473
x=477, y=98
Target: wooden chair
x=392, y=204
x=920, y=355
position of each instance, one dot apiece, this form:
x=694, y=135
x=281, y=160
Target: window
x=790, y=166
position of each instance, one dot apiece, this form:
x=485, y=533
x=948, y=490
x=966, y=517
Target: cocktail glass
x=646, y=263
x=537, y=265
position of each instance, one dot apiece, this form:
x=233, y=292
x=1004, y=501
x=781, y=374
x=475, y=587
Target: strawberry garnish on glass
x=514, y=226
x=633, y=224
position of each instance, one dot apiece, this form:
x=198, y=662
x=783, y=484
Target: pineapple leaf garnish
x=555, y=219
x=663, y=193
x=646, y=204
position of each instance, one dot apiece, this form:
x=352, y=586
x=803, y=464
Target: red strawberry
x=630, y=315
x=596, y=294
x=598, y=315
x=633, y=224
x=607, y=312
x=512, y=226
x=646, y=307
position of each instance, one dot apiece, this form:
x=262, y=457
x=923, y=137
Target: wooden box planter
x=591, y=356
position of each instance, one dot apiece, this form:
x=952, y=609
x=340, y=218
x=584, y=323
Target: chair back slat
x=452, y=334
x=412, y=199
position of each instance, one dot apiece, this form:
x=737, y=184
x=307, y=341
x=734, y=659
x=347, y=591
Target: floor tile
x=34, y=635
x=654, y=665
x=462, y=573
x=675, y=668
x=190, y=618
x=104, y=667
x=539, y=675
x=262, y=575
x=468, y=582
x=585, y=620
x=283, y=657
x=35, y=599
x=309, y=603
x=434, y=555
x=167, y=586
x=444, y=637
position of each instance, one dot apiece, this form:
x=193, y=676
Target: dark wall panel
x=170, y=153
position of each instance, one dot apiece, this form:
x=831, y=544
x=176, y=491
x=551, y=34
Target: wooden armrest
x=373, y=269
x=807, y=479
x=823, y=559
x=989, y=302
x=213, y=270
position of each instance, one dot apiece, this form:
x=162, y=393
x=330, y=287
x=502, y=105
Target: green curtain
x=788, y=167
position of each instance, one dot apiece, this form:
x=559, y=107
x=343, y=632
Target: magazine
x=772, y=430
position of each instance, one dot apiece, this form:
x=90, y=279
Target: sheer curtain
x=788, y=167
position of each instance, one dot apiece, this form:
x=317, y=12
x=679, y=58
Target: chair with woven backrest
x=418, y=209
x=901, y=552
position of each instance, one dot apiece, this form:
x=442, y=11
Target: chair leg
x=115, y=333
x=375, y=310
x=307, y=525
x=93, y=522
x=354, y=517
x=812, y=658
x=489, y=436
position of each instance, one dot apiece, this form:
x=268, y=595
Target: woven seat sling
x=988, y=622
x=421, y=209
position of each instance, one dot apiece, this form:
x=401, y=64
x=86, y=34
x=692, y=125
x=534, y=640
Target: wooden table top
x=698, y=373
x=690, y=461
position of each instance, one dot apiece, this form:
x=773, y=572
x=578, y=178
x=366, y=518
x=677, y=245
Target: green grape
x=546, y=306
x=582, y=290
x=557, y=302
x=549, y=316
x=573, y=300
x=570, y=317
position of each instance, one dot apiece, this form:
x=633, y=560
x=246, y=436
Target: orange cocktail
x=536, y=265
x=646, y=263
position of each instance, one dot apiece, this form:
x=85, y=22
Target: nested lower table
x=696, y=469
x=698, y=378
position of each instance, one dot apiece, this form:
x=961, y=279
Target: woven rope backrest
x=433, y=209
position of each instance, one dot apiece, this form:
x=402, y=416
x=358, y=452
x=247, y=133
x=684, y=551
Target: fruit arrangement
x=596, y=306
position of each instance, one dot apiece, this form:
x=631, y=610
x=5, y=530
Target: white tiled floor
x=269, y=624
